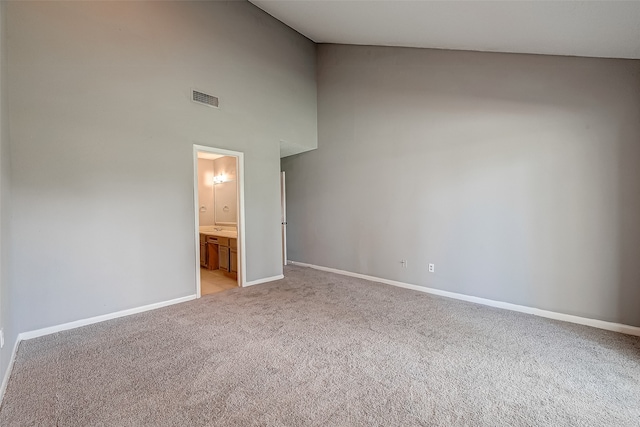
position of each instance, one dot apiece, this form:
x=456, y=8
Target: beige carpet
x=317, y=349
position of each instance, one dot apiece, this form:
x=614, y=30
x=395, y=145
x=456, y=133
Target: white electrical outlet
x=432, y=268
x=1, y=338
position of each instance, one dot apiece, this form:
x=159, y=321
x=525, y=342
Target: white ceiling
x=609, y=29
x=209, y=156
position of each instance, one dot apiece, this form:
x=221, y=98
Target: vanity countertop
x=209, y=231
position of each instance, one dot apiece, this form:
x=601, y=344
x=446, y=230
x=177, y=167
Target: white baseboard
x=7, y=374
x=265, y=280
x=78, y=323
x=91, y=320
x=601, y=324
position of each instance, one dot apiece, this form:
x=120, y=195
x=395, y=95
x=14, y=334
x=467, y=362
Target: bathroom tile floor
x=212, y=281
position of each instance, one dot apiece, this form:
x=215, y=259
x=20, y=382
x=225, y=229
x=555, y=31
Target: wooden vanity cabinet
x=233, y=261
x=233, y=258
x=219, y=253
x=228, y=256
x=223, y=253
x=203, y=251
x=212, y=249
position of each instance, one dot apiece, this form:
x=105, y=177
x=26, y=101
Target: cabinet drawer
x=223, y=241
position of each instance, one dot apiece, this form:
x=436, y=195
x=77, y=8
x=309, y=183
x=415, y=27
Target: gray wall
x=102, y=130
x=5, y=353
x=517, y=175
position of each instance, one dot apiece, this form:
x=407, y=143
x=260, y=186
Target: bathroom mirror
x=226, y=203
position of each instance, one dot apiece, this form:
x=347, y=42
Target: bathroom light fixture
x=219, y=179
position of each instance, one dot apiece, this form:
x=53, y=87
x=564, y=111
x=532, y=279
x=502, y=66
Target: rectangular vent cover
x=203, y=98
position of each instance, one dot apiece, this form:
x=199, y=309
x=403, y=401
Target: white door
x=283, y=205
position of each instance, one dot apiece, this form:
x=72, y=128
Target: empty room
x=320, y=213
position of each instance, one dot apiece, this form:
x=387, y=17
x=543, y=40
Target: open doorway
x=219, y=204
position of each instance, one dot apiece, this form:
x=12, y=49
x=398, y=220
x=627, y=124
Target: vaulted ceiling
x=609, y=29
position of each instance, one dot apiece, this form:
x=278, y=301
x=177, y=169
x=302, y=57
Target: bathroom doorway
x=219, y=219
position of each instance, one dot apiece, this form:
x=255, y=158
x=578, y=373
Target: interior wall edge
x=7, y=372
x=5, y=205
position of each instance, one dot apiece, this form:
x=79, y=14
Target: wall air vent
x=203, y=98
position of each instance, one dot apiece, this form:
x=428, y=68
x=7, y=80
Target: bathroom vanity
x=219, y=250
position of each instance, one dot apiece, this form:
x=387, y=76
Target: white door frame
x=283, y=207
x=242, y=270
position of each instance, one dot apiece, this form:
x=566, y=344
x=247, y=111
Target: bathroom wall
x=226, y=193
x=225, y=166
x=205, y=192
